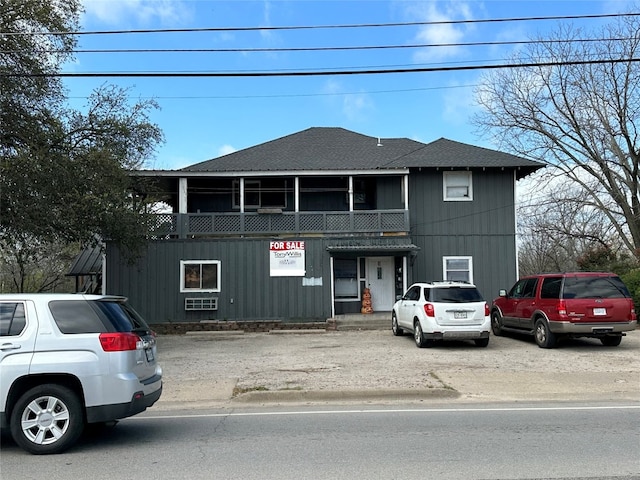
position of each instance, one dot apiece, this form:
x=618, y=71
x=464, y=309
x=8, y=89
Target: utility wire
x=319, y=27
x=314, y=73
x=316, y=49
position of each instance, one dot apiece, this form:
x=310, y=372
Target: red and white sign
x=286, y=259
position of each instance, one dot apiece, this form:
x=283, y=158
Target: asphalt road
x=484, y=441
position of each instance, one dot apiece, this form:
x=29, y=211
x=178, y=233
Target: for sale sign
x=286, y=259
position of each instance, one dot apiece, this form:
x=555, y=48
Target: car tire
x=481, y=342
x=47, y=419
x=545, y=338
x=397, y=331
x=611, y=340
x=418, y=335
x=496, y=323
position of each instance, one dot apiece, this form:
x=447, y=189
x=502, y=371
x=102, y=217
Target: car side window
x=517, y=289
x=77, y=317
x=413, y=293
x=12, y=318
x=530, y=288
x=551, y=287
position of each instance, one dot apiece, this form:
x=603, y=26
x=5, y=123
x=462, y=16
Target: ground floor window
x=199, y=275
x=457, y=269
x=346, y=284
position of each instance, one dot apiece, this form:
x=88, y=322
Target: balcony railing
x=172, y=225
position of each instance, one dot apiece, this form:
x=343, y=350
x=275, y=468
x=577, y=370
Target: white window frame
x=457, y=179
x=184, y=289
x=445, y=271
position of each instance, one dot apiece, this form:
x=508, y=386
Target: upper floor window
x=457, y=186
x=457, y=269
x=199, y=275
x=261, y=193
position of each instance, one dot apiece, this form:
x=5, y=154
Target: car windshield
x=594, y=287
x=456, y=295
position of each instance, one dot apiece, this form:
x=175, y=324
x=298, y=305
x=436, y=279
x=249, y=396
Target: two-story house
x=296, y=228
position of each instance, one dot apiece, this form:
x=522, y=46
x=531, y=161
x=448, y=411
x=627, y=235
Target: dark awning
x=88, y=262
x=374, y=246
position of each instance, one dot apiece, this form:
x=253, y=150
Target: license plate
x=459, y=315
x=599, y=311
x=149, y=353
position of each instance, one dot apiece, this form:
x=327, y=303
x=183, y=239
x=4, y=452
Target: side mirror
x=502, y=293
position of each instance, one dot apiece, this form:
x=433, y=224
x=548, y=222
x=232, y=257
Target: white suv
x=67, y=360
x=442, y=311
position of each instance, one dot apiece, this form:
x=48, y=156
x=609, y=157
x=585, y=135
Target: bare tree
x=556, y=229
x=581, y=119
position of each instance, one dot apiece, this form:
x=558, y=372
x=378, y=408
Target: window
x=525, y=288
x=12, y=318
x=458, y=269
x=551, y=287
x=345, y=271
x=199, y=275
x=457, y=186
x=261, y=193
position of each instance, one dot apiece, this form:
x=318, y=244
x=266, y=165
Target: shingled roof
x=335, y=149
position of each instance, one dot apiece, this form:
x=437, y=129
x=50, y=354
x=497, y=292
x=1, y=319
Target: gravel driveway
x=373, y=365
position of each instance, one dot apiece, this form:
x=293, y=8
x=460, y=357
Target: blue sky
x=203, y=118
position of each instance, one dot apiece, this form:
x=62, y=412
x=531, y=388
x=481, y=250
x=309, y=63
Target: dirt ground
x=224, y=369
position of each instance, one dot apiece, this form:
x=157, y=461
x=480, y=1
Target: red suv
x=550, y=306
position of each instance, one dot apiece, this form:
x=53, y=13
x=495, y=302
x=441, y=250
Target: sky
x=205, y=117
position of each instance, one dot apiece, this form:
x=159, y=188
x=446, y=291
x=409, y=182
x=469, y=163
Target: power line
x=316, y=49
x=319, y=27
x=314, y=73
x=294, y=95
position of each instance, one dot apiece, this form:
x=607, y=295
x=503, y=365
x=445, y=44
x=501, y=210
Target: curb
x=343, y=395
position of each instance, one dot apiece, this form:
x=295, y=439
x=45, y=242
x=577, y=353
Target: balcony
x=189, y=225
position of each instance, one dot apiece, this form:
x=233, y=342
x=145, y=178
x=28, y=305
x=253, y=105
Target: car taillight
x=119, y=342
x=486, y=310
x=562, y=308
x=429, y=310
x=633, y=315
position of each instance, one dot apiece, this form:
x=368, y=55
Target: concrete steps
x=371, y=321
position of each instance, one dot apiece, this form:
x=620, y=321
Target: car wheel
x=496, y=323
x=418, y=335
x=397, y=331
x=545, y=338
x=481, y=342
x=47, y=419
x=611, y=340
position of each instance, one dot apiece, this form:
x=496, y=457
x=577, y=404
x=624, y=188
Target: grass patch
x=240, y=390
x=444, y=385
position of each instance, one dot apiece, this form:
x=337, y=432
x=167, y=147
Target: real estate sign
x=286, y=259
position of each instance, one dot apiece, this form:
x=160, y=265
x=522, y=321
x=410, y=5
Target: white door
x=381, y=283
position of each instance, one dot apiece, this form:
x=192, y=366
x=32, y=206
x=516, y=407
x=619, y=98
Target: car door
x=526, y=305
x=510, y=304
x=18, y=330
x=406, y=309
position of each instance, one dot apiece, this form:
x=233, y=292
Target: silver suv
x=442, y=311
x=67, y=360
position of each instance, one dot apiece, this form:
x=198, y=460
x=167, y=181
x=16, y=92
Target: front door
x=381, y=283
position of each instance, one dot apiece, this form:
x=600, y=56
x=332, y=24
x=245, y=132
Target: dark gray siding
x=247, y=290
x=483, y=228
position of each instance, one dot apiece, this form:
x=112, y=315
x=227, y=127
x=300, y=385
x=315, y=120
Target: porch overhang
x=379, y=246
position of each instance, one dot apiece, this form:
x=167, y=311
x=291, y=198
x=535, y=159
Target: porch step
x=371, y=321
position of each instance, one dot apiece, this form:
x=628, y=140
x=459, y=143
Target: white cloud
x=225, y=150
x=442, y=33
x=459, y=105
x=142, y=11
x=354, y=106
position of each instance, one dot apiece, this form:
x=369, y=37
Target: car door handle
x=10, y=346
